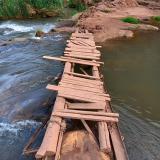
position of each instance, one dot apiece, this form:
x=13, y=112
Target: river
x=131, y=74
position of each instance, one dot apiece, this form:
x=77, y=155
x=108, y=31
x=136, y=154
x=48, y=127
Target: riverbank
x=105, y=20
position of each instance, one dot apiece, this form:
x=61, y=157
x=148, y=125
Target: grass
x=16, y=8
x=131, y=20
x=156, y=18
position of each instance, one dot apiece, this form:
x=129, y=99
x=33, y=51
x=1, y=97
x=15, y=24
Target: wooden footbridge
x=81, y=95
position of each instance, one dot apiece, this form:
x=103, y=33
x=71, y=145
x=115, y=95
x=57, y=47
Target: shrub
x=77, y=4
x=156, y=18
x=131, y=20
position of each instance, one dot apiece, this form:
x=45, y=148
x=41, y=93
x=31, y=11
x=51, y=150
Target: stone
x=39, y=34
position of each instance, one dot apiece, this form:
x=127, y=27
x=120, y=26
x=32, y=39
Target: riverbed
x=131, y=73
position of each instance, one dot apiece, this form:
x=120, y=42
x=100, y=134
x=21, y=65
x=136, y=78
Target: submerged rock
x=39, y=34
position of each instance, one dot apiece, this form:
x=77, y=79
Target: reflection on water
x=23, y=78
x=132, y=74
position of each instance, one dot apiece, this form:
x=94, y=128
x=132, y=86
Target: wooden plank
x=72, y=45
x=72, y=96
x=57, y=156
x=87, y=61
x=107, y=136
x=79, y=79
x=102, y=138
x=82, y=50
x=83, y=84
x=82, y=57
x=81, y=75
x=88, y=129
x=86, y=106
x=85, y=117
x=84, y=88
x=106, y=114
x=72, y=60
x=82, y=53
x=50, y=140
x=83, y=42
x=83, y=94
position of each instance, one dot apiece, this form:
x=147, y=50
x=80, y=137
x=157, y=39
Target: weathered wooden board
x=81, y=75
x=86, y=106
x=102, y=113
x=84, y=88
x=82, y=50
x=82, y=95
x=72, y=61
x=90, y=81
x=83, y=57
x=85, y=117
x=91, y=54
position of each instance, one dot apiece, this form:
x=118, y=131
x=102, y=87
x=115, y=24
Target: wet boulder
x=39, y=33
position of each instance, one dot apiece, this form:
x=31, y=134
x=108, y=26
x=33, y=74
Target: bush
x=156, y=18
x=77, y=4
x=131, y=20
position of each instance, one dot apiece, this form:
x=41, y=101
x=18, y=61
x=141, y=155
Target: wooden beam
x=78, y=94
x=82, y=56
x=85, y=117
x=106, y=114
x=81, y=75
x=86, y=106
x=72, y=60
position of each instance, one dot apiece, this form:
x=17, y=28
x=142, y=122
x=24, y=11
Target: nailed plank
x=68, y=81
x=72, y=60
x=90, y=81
x=78, y=93
x=94, y=62
x=81, y=98
x=107, y=136
x=82, y=53
x=84, y=88
x=48, y=146
x=72, y=45
x=86, y=106
x=81, y=75
x=102, y=138
x=85, y=117
x=88, y=129
x=106, y=114
x=82, y=57
x=82, y=50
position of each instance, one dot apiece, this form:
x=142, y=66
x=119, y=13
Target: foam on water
x=25, y=27
x=16, y=127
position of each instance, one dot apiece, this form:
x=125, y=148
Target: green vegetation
x=131, y=20
x=78, y=5
x=22, y=8
x=32, y=8
x=156, y=18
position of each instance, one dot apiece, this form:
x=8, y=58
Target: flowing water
x=24, y=75
x=131, y=72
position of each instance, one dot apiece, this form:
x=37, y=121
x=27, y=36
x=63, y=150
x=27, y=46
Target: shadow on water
x=23, y=78
x=131, y=72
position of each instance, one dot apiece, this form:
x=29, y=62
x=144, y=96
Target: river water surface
x=131, y=73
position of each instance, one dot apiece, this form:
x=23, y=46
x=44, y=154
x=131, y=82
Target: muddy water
x=24, y=75
x=132, y=74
